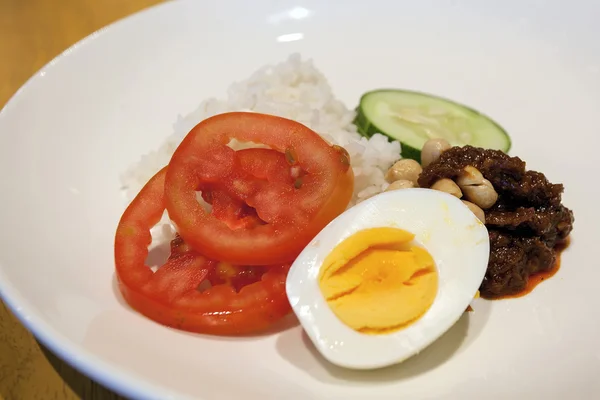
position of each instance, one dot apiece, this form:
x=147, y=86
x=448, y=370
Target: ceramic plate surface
x=70, y=132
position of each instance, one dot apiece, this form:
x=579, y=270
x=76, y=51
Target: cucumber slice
x=412, y=118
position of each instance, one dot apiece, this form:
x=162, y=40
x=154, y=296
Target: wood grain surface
x=32, y=32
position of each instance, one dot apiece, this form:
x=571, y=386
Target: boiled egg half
x=388, y=277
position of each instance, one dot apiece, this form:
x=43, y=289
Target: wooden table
x=32, y=32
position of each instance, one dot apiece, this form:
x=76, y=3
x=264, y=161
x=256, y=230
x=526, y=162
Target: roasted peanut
x=475, y=210
x=405, y=169
x=469, y=176
x=432, y=150
x=476, y=188
x=483, y=195
x=400, y=184
x=448, y=186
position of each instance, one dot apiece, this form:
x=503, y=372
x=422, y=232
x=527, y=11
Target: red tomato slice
x=263, y=165
x=237, y=277
x=171, y=296
x=266, y=164
x=223, y=273
x=294, y=212
x=235, y=213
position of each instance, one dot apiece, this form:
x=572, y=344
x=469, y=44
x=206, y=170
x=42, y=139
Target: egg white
x=442, y=224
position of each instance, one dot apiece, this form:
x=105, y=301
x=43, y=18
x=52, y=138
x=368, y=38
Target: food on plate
x=235, y=276
x=412, y=118
x=377, y=233
x=376, y=281
x=259, y=215
x=425, y=233
x=523, y=213
x=432, y=149
x=404, y=170
x=475, y=209
x=170, y=295
x=294, y=90
x=448, y=186
x=400, y=184
x=476, y=188
x=290, y=213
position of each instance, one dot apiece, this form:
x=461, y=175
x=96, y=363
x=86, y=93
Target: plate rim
x=85, y=362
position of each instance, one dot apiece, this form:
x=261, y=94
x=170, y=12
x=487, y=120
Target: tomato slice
x=261, y=164
x=266, y=164
x=223, y=273
x=237, y=277
x=235, y=213
x=294, y=210
x=171, y=296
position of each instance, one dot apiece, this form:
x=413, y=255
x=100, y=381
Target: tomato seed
x=291, y=156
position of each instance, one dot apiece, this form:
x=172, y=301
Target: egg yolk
x=376, y=281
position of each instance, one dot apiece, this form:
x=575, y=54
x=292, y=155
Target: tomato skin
x=171, y=296
x=199, y=311
x=294, y=215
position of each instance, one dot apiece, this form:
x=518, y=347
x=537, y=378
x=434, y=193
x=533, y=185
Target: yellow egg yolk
x=377, y=281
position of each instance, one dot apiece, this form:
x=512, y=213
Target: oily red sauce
x=539, y=277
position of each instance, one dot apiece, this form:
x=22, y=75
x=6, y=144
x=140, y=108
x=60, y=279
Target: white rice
x=293, y=89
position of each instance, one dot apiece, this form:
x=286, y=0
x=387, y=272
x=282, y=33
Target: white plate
x=78, y=123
